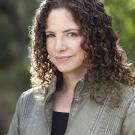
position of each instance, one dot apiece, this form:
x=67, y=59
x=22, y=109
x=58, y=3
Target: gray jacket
x=33, y=115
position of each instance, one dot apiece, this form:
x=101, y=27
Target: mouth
x=63, y=58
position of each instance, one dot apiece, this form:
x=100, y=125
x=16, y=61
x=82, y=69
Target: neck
x=70, y=80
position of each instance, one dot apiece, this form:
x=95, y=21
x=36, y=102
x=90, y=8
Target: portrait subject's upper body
x=33, y=114
x=82, y=83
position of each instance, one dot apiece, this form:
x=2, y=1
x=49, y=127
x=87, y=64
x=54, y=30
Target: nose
x=60, y=44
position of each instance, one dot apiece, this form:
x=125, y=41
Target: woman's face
x=64, y=41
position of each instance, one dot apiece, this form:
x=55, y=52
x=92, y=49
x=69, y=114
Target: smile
x=63, y=59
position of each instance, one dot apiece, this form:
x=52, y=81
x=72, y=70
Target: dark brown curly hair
x=106, y=60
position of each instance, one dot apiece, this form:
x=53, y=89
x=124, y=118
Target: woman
x=82, y=83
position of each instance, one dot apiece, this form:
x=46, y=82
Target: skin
x=64, y=48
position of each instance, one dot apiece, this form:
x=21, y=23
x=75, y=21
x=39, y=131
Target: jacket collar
x=80, y=87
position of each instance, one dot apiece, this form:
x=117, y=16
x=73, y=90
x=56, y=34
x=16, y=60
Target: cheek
x=82, y=56
x=48, y=48
x=78, y=49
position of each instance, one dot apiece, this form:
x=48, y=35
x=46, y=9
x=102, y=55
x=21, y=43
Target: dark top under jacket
x=59, y=123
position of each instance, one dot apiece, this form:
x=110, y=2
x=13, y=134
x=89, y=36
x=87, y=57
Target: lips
x=62, y=58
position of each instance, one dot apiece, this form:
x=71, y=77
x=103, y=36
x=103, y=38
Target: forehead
x=60, y=18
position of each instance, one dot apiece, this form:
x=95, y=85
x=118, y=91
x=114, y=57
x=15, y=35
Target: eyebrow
x=64, y=30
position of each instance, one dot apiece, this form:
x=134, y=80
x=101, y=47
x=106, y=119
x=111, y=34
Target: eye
x=72, y=34
x=50, y=35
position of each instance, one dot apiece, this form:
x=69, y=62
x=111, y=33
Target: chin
x=66, y=69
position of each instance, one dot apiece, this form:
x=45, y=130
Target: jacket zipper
x=49, y=128
x=74, y=102
x=72, y=111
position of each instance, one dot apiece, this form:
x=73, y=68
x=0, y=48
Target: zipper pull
x=76, y=100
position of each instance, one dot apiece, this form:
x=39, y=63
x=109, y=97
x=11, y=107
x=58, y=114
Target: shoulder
x=26, y=107
x=32, y=94
x=127, y=93
x=27, y=95
x=128, y=97
x=28, y=100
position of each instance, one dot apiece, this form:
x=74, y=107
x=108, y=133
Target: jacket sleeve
x=14, y=125
x=128, y=127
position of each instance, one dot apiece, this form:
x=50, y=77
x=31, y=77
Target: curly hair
x=106, y=60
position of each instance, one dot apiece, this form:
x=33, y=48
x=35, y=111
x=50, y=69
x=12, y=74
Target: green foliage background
x=123, y=15
x=15, y=19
